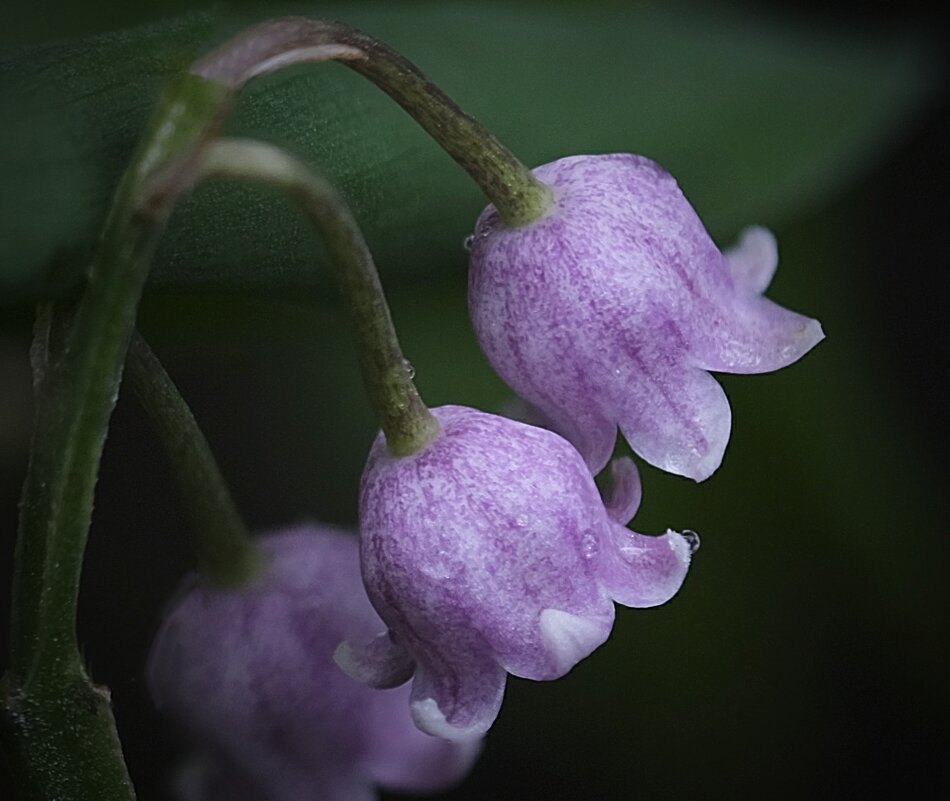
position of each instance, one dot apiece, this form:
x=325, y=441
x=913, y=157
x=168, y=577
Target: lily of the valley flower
x=490, y=552
x=611, y=309
x=249, y=673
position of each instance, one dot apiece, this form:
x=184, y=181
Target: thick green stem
x=519, y=197
x=224, y=550
x=406, y=422
x=61, y=741
x=81, y=382
x=57, y=724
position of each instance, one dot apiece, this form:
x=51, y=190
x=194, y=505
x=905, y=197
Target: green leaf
x=757, y=120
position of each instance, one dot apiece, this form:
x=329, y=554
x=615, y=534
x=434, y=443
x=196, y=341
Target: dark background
x=804, y=657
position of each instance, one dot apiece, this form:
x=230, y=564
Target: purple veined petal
x=678, y=419
x=564, y=404
x=490, y=552
x=561, y=637
x=458, y=703
x=753, y=259
x=591, y=434
x=380, y=663
x=623, y=498
x=569, y=638
x=623, y=267
x=753, y=335
x=641, y=571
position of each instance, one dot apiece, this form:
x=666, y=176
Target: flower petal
x=570, y=638
x=753, y=259
x=641, y=571
x=380, y=663
x=457, y=703
x=623, y=498
x=678, y=419
x=592, y=435
x=753, y=335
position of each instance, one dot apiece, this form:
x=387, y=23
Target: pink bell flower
x=490, y=551
x=249, y=674
x=612, y=309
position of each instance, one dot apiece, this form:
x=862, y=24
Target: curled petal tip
x=625, y=493
x=753, y=259
x=460, y=700
x=380, y=663
x=570, y=638
x=758, y=337
x=812, y=334
x=642, y=571
x=801, y=335
x=703, y=467
x=430, y=719
x=682, y=544
x=683, y=426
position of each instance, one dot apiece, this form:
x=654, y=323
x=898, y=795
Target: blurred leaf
x=758, y=120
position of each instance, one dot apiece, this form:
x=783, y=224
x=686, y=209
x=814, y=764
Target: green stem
x=406, y=422
x=519, y=197
x=58, y=725
x=225, y=553
x=81, y=382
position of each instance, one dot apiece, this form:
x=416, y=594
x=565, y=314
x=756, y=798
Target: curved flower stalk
x=489, y=552
x=249, y=673
x=611, y=309
x=261, y=49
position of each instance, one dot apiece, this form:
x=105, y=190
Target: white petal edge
x=429, y=718
x=380, y=663
x=568, y=638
